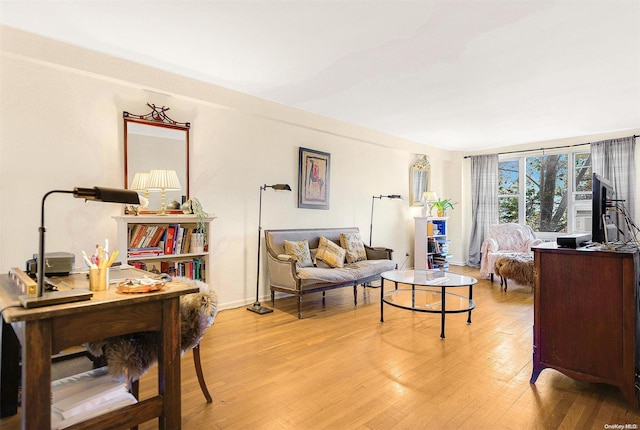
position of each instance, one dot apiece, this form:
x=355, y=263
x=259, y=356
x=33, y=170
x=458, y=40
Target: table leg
x=169, y=366
x=442, y=313
x=470, y=297
x=381, y=302
x=36, y=375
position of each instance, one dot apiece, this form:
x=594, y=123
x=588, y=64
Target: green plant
x=196, y=208
x=442, y=205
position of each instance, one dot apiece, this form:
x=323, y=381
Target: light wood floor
x=340, y=368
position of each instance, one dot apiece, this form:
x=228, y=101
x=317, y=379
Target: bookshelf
x=431, y=245
x=165, y=244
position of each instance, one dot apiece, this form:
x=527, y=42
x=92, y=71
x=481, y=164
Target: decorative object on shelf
x=428, y=197
x=155, y=141
x=442, y=205
x=100, y=194
x=163, y=180
x=313, y=179
x=257, y=307
x=419, y=180
x=373, y=199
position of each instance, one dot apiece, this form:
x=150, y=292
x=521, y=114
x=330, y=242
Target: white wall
x=61, y=126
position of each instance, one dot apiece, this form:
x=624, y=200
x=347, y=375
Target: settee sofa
x=300, y=275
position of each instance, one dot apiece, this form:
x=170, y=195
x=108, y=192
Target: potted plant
x=194, y=206
x=442, y=205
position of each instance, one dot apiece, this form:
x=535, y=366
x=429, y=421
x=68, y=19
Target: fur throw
x=133, y=354
x=516, y=267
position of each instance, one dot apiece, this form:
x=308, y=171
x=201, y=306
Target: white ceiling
x=460, y=75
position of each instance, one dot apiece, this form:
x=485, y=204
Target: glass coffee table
x=426, y=291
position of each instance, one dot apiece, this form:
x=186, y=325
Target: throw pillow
x=300, y=251
x=330, y=253
x=352, y=243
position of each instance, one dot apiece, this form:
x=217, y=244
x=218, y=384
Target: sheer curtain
x=484, y=202
x=615, y=160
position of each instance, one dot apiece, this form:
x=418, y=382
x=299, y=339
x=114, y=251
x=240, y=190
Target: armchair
x=508, y=239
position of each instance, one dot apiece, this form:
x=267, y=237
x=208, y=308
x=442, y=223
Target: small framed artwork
x=313, y=179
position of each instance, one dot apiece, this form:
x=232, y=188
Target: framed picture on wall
x=313, y=179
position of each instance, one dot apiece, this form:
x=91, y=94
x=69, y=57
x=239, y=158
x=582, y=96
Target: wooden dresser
x=586, y=316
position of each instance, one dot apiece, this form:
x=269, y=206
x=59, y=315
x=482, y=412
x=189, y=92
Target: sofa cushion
x=330, y=253
x=300, y=251
x=317, y=275
x=366, y=268
x=352, y=243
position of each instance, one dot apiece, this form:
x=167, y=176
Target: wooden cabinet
x=168, y=244
x=431, y=246
x=586, y=316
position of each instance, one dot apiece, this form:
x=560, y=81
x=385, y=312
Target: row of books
x=437, y=246
x=154, y=240
x=194, y=269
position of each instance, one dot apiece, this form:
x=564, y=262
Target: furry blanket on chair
x=516, y=267
x=131, y=355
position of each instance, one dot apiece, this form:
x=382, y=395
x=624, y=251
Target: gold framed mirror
x=419, y=180
x=156, y=142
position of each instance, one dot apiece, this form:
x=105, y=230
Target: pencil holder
x=98, y=279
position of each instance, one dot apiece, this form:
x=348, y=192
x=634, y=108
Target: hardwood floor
x=340, y=368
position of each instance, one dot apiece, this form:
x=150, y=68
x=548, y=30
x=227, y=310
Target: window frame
x=573, y=205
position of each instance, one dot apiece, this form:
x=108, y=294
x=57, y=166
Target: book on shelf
x=145, y=252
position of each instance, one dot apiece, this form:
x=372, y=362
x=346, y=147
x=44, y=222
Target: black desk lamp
x=257, y=307
x=100, y=194
x=373, y=199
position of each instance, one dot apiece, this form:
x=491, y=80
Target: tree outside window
x=552, y=195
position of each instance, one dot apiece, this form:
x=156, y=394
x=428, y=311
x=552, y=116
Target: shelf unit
x=431, y=246
x=191, y=263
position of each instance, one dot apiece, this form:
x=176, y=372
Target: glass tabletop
x=428, y=278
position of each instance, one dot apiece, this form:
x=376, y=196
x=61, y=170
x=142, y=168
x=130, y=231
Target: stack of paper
x=86, y=395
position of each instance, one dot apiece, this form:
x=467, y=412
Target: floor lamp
x=257, y=307
x=100, y=194
x=392, y=197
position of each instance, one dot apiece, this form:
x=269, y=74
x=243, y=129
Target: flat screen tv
x=601, y=224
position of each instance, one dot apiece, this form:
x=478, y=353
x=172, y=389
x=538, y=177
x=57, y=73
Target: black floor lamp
x=373, y=199
x=100, y=194
x=257, y=307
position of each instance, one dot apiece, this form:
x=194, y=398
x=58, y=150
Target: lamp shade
x=140, y=181
x=429, y=196
x=163, y=180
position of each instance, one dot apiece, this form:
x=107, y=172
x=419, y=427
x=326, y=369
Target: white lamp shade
x=429, y=196
x=163, y=180
x=140, y=181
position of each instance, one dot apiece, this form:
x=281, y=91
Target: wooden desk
x=47, y=330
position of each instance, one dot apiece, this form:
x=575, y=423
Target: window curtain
x=484, y=202
x=614, y=160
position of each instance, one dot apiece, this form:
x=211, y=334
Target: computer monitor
x=603, y=229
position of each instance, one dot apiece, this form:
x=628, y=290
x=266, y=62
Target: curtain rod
x=635, y=136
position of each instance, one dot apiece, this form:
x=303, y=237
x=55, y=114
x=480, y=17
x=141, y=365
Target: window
x=543, y=192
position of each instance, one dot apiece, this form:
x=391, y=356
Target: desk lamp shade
x=141, y=182
x=162, y=180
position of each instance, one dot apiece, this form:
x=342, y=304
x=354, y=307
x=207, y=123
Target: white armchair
x=508, y=239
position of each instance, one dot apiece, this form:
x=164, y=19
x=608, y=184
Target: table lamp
x=428, y=197
x=140, y=183
x=163, y=180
